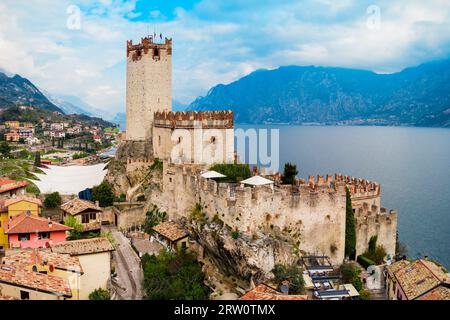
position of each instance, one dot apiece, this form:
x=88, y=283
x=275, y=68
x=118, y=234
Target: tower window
x=159, y=140
x=179, y=139
x=213, y=140
x=156, y=52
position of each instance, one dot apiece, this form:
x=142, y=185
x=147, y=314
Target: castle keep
x=149, y=85
x=310, y=215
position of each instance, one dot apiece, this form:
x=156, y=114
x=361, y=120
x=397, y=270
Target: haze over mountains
x=417, y=96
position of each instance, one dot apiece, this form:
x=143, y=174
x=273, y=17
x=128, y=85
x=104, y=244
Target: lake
x=411, y=164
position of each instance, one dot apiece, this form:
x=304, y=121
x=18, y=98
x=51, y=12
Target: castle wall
x=149, y=85
x=315, y=220
x=194, y=137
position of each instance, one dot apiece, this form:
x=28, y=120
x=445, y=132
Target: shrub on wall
x=234, y=172
x=365, y=262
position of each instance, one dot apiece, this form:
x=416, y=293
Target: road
x=128, y=269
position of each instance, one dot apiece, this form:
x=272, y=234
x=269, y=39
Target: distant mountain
x=15, y=90
x=67, y=107
x=418, y=96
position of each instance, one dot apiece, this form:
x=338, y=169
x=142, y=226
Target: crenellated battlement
x=194, y=119
x=146, y=45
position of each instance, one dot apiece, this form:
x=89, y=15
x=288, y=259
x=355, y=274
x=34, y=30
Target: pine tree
x=350, y=232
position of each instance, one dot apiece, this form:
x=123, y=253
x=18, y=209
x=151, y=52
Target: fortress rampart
x=311, y=213
x=194, y=119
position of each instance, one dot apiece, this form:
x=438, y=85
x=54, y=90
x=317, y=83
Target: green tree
x=5, y=150
x=99, y=294
x=234, y=172
x=374, y=252
x=350, y=274
x=37, y=159
x=293, y=274
x=350, y=232
x=104, y=194
x=400, y=248
x=77, y=228
x=52, y=200
x=173, y=276
x=289, y=174
x=153, y=218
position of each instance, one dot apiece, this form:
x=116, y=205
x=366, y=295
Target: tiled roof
x=439, y=293
x=416, y=279
x=83, y=246
x=8, y=184
x=264, y=292
x=393, y=268
x=28, y=257
x=35, y=280
x=437, y=271
x=76, y=206
x=24, y=223
x=11, y=201
x=170, y=230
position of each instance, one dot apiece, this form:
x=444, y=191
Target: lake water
x=412, y=165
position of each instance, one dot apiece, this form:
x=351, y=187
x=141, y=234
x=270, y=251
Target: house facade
x=85, y=212
x=27, y=231
x=95, y=258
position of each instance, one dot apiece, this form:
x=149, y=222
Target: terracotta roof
x=28, y=257
x=264, y=292
x=437, y=271
x=8, y=184
x=397, y=265
x=83, y=246
x=24, y=223
x=439, y=293
x=170, y=230
x=35, y=280
x=76, y=206
x=11, y=201
x=416, y=279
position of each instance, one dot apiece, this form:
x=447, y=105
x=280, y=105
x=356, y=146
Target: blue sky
x=215, y=41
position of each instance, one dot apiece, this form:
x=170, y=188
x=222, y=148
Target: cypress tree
x=350, y=232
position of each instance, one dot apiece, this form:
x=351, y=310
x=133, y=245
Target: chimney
x=50, y=223
x=97, y=203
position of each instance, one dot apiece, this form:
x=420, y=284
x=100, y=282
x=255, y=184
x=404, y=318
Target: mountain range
x=416, y=96
x=15, y=90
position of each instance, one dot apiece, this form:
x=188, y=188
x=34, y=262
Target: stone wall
x=311, y=214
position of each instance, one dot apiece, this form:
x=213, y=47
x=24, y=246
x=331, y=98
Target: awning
x=212, y=175
x=257, y=181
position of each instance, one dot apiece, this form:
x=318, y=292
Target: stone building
x=192, y=137
x=149, y=85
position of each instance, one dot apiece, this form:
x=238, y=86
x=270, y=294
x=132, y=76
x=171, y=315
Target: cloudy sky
x=215, y=41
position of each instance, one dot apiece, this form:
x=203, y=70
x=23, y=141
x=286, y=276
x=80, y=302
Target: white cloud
x=215, y=42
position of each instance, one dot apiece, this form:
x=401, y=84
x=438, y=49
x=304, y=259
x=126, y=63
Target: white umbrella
x=257, y=181
x=212, y=175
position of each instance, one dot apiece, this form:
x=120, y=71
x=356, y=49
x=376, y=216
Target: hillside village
x=176, y=225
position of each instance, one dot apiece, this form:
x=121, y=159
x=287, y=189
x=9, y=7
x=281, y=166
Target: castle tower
x=149, y=85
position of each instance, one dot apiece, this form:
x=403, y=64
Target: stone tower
x=149, y=85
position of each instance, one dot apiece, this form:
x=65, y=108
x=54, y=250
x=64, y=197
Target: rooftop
x=76, y=206
x=397, y=265
x=8, y=184
x=35, y=281
x=83, y=246
x=416, y=279
x=170, y=230
x=439, y=293
x=27, y=257
x=13, y=200
x=24, y=223
x=264, y=292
